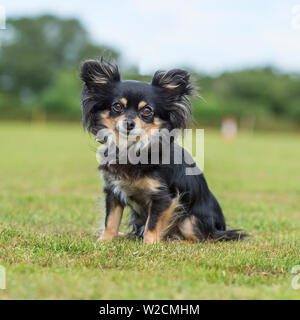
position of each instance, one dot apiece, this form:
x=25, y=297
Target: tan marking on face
x=113, y=224
x=148, y=127
x=111, y=123
x=142, y=104
x=155, y=236
x=108, y=121
x=187, y=229
x=124, y=101
x=120, y=118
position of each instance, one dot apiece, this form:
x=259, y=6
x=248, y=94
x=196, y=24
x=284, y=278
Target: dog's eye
x=146, y=112
x=117, y=107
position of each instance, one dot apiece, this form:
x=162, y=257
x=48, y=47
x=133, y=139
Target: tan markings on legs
x=187, y=228
x=155, y=236
x=113, y=224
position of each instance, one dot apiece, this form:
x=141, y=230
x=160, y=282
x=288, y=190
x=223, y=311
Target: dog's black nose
x=129, y=124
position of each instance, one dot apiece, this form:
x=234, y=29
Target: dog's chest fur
x=135, y=193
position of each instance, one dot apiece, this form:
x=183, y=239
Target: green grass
x=51, y=204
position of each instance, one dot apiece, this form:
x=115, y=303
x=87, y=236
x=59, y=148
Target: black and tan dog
x=164, y=201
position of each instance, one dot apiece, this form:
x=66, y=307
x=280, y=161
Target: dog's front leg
x=161, y=209
x=114, y=212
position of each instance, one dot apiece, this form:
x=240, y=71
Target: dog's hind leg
x=188, y=229
x=191, y=226
x=161, y=211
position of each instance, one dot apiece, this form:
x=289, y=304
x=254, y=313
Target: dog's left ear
x=176, y=86
x=176, y=82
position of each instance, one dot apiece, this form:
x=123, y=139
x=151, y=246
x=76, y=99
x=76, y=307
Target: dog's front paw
x=106, y=236
x=151, y=237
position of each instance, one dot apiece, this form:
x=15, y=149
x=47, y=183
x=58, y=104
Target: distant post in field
x=229, y=129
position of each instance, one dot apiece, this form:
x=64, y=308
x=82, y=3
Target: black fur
x=168, y=97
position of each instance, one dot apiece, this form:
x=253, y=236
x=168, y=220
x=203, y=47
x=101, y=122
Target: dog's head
x=133, y=107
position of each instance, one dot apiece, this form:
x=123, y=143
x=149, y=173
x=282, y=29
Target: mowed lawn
x=51, y=205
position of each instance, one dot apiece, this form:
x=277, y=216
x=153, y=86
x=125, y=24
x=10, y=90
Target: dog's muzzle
x=126, y=127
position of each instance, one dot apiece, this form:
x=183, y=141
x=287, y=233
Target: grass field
x=51, y=205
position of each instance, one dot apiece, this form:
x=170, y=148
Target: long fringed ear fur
x=176, y=81
x=177, y=86
x=98, y=76
x=99, y=72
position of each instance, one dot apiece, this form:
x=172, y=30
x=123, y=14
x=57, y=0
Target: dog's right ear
x=97, y=73
x=98, y=77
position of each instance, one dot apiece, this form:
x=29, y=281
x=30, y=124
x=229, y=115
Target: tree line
x=39, y=66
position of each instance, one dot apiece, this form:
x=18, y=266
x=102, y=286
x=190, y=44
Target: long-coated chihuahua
x=164, y=201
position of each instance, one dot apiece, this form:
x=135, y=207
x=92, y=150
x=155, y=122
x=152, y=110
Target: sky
x=211, y=36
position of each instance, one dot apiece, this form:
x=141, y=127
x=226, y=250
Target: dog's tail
x=228, y=235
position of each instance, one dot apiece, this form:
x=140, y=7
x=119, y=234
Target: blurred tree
x=262, y=93
x=61, y=100
x=39, y=65
x=33, y=50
